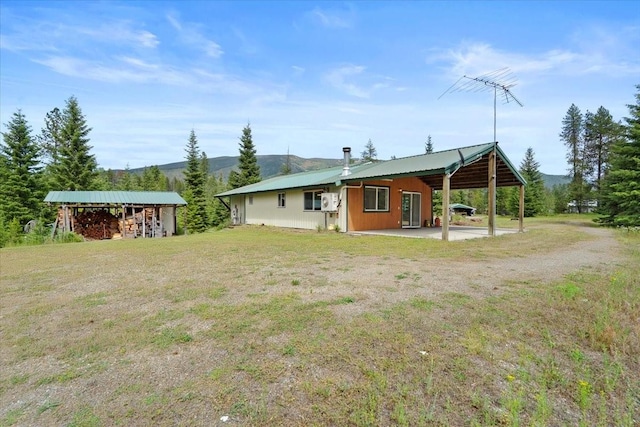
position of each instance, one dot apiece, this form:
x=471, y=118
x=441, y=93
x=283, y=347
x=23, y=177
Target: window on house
x=376, y=199
x=250, y=200
x=281, y=200
x=312, y=200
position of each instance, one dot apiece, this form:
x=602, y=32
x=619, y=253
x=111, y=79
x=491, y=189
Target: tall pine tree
x=573, y=138
x=534, y=193
x=249, y=171
x=73, y=167
x=194, y=181
x=21, y=191
x=428, y=147
x=600, y=132
x=620, y=193
x=369, y=154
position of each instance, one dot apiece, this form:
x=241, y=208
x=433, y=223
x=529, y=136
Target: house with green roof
x=378, y=195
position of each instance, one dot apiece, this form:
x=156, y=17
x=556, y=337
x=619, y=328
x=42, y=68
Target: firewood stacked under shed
x=97, y=224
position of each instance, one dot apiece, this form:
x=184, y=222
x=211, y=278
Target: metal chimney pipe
x=347, y=159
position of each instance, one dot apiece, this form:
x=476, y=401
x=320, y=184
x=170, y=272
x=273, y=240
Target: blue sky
x=313, y=77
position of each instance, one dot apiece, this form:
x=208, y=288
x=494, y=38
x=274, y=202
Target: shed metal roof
x=429, y=167
x=148, y=198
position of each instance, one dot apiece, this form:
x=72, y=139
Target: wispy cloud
x=478, y=58
x=115, y=72
x=355, y=81
x=331, y=19
x=192, y=35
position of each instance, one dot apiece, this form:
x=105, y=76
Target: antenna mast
x=500, y=80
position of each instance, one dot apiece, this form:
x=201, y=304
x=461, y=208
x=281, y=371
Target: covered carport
x=474, y=167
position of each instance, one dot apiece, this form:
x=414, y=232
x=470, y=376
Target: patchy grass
x=277, y=327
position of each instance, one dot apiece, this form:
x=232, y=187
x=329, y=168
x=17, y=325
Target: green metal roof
x=115, y=197
x=437, y=163
x=308, y=179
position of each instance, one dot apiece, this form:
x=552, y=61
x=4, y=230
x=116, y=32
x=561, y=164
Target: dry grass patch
x=274, y=327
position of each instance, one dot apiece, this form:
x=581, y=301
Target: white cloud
x=191, y=35
x=339, y=76
x=476, y=58
x=330, y=19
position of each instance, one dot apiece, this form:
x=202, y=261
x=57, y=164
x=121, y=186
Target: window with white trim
x=281, y=200
x=376, y=199
x=313, y=200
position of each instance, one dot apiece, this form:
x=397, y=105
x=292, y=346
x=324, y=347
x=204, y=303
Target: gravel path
x=373, y=282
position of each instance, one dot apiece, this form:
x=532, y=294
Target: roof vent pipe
x=347, y=159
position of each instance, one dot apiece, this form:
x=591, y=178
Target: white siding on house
x=265, y=210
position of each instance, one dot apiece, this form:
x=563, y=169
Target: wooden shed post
x=492, y=194
x=446, y=182
x=124, y=221
x=521, y=210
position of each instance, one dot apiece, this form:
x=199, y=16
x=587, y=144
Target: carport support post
x=492, y=194
x=446, y=181
x=521, y=210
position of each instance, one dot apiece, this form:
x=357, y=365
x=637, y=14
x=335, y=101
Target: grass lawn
x=282, y=327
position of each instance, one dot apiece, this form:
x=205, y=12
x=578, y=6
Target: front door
x=411, y=210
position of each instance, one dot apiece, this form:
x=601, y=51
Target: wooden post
x=521, y=210
x=144, y=222
x=492, y=194
x=446, y=183
x=124, y=222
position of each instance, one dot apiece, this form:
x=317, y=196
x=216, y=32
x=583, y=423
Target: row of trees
x=204, y=210
x=603, y=158
x=59, y=158
x=604, y=163
x=588, y=138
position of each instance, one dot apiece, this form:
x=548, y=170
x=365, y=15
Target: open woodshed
x=100, y=215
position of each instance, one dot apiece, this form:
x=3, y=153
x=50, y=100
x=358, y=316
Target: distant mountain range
x=551, y=180
x=271, y=165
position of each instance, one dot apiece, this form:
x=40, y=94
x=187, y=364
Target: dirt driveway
x=377, y=282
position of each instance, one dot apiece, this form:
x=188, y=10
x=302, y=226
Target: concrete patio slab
x=456, y=232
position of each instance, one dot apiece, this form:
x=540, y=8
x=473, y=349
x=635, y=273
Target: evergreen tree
x=534, y=203
x=600, y=133
x=195, y=188
x=153, y=179
x=50, y=138
x=216, y=210
x=561, y=198
x=21, y=191
x=249, y=172
x=235, y=179
x=127, y=181
x=428, y=147
x=370, y=154
x=73, y=167
x=572, y=135
x=286, y=167
x=620, y=195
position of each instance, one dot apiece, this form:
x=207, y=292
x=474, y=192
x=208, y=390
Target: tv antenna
x=501, y=80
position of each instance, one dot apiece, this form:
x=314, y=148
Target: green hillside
x=551, y=180
x=270, y=165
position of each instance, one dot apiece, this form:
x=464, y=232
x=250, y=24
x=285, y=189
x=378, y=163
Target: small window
x=312, y=200
x=250, y=200
x=281, y=200
x=376, y=199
